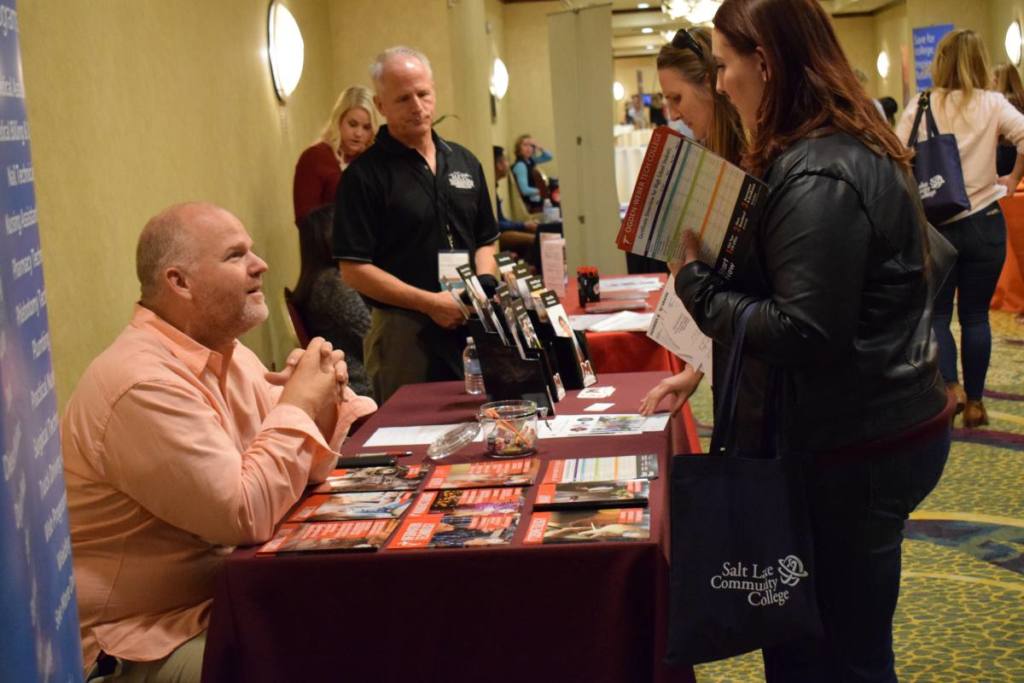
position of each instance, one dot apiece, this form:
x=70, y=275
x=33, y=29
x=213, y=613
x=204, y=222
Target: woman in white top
x=978, y=118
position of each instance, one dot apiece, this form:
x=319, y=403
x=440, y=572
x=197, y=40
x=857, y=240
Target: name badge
x=448, y=262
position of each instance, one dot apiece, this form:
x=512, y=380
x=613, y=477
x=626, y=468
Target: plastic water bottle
x=551, y=212
x=471, y=368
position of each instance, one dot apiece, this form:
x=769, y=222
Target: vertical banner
x=925, y=40
x=39, y=639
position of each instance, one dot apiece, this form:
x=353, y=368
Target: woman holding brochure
x=686, y=75
x=843, y=314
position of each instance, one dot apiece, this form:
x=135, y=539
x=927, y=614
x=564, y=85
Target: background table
x=1009, y=294
x=587, y=612
x=624, y=351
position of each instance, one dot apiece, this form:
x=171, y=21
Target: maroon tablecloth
x=588, y=612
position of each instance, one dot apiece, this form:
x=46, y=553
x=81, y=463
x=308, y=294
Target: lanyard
x=436, y=192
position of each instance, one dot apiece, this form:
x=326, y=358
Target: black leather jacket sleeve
x=813, y=241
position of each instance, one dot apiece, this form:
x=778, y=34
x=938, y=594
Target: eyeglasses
x=682, y=40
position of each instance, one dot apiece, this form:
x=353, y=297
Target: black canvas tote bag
x=741, y=574
x=940, y=177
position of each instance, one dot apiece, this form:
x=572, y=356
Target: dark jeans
x=857, y=512
x=980, y=240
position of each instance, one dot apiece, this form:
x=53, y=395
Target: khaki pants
x=184, y=665
x=406, y=347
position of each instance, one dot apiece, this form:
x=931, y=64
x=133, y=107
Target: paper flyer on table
x=674, y=328
x=408, y=436
x=627, y=424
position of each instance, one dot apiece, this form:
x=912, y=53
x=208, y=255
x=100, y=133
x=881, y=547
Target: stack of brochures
x=593, y=499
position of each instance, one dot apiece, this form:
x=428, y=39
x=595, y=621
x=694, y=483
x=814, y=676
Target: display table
x=587, y=612
x=1009, y=294
x=624, y=351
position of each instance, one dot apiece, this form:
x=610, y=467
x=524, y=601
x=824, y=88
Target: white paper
x=409, y=436
x=570, y=426
x=656, y=423
x=448, y=262
x=584, y=321
x=640, y=283
x=598, y=407
x=552, y=260
x=596, y=392
x=674, y=328
x=624, y=321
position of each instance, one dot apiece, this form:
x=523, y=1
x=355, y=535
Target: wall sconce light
x=1012, y=43
x=883, y=64
x=285, y=49
x=499, y=78
x=618, y=91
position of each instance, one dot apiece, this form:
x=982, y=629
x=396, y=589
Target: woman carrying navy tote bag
x=742, y=553
x=940, y=178
x=841, y=315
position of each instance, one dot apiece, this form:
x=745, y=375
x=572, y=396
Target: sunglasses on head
x=684, y=41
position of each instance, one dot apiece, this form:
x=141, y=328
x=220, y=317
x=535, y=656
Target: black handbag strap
x=924, y=109
x=726, y=413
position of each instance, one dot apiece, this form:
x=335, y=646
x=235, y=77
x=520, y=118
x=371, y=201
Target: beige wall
x=893, y=35
x=134, y=106
x=528, y=103
x=857, y=36
x=625, y=69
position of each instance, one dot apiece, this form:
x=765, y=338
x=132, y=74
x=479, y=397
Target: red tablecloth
x=1009, y=295
x=588, y=612
x=624, y=351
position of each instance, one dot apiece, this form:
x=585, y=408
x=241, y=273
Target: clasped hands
x=313, y=378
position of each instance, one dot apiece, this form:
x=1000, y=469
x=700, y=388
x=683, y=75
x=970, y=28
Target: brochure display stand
x=563, y=353
x=507, y=376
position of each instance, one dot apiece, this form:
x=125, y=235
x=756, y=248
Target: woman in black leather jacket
x=841, y=313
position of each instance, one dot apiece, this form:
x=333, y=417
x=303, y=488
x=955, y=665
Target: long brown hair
x=812, y=85
x=726, y=137
x=1007, y=81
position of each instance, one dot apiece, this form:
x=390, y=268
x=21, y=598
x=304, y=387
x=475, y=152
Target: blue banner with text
x=926, y=38
x=39, y=639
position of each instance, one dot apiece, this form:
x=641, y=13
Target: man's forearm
x=384, y=287
x=484, y=261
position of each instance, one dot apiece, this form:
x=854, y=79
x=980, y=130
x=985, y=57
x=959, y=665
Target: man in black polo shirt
x=409, y=209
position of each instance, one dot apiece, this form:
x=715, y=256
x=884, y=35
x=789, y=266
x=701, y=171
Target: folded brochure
x=353, y=535
x=390, y=478
x=593, y=494
x=519, y=472
x=464, y=502
x=454, y=531
x=363, y=505
x=588, y=526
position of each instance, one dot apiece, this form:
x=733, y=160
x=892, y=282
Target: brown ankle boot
x=975, y=415
x=958, y=393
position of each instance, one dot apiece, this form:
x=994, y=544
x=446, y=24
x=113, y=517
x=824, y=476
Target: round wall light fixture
x=882, y=64
x=499, y=78
x=285, y=49
x=618, y=91
x=1012, y=43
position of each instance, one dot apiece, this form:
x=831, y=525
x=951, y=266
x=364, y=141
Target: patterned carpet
x=960, y=617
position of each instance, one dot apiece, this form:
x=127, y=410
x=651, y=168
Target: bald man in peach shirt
x=178, y=444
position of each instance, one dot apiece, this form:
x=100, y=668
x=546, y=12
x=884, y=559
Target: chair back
x=298, y=326
x=517, y=207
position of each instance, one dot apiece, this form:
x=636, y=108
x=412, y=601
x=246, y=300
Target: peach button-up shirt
x=173, y=454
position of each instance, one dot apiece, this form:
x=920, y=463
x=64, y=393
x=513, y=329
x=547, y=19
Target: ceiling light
x=618, y=91
x=647, y=29
x=650, y=47
x=694, y=11
x=643, y=5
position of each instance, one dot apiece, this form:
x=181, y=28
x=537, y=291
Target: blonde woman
x=978, y=118
x=349, y=130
